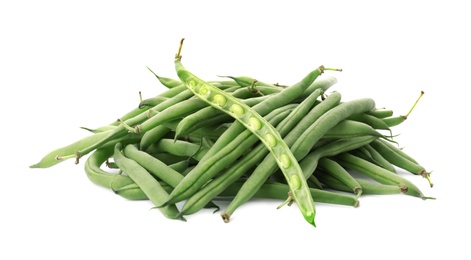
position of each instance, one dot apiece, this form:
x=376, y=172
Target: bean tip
x=226, y=217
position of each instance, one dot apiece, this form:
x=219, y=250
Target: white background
x=68, y=64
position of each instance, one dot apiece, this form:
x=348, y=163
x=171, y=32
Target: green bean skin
x=149, y=185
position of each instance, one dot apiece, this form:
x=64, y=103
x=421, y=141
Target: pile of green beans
x=238, y=138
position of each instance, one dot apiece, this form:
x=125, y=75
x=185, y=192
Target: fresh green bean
x=99, y=176
x=379, y=174
x=152, y=136
x=371, y=120
x=334, y=169
x=167, y=82
x=310, y=161
x=179, y=148
x=367, y=187
x=149, y=185
x=100, y=129
x=381, y=112
x=399, y=151
x=378, y=158
x=400, y=161
x=153, y=165
x=151, y=102
x=350, y=128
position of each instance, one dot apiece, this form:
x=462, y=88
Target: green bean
x=378, y=158
x=314, y=182
x=153, y=165
x=401, y=161
x=167, y=82
x=394, y=121
x=350, y=128
x=399, y=151
x=179, y=148
x=310, y=161
x=373, y=121
x=151, y=102
x=180, y=166
x=149, y=185
x=254, y=86
x=99, y=176
x=381, y=112
x=152, y=136
x=100, y=129
x=236, y=171
x=50, y=159
x=267, y=166
x=367, y=187
x=169, y=158
x=334, y=169
x=173, y=92
x=173, y=112
x=379, y=174
x=320, y=83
